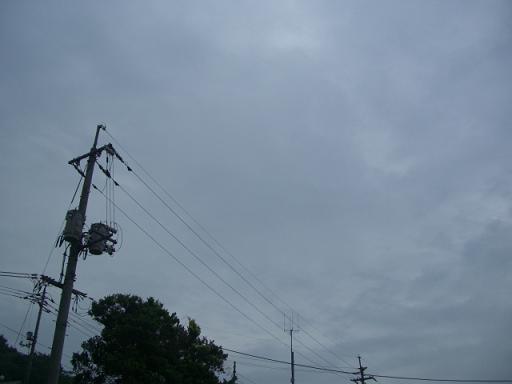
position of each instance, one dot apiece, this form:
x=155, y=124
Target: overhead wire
x=222, y=258
x=147, y=212
x=15, y=290
x=24, y=321
x=289, y=363
x=10, y=294
x=71, y=323
x=280, y=368
x=441, y=380
x=85, y=323
x=17, y=293
x=18, y=275
x=412, y=378
x=189, y=270
x=246, y=378
x=74, y=321
x=201, y=261
x=205, y=264
x=37, y=343
x=207, y=244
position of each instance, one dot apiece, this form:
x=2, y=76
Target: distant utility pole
x=233, y=376
x=73, y=233
x=33, y=338
x=362, y=377
x=290, y=330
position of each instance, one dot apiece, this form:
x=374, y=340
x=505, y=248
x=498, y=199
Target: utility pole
x=33, y=339
x=362, y=377
x=75, y=249
x=292, y=354
x=233, y=376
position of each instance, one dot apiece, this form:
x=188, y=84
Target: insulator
x=74, y=225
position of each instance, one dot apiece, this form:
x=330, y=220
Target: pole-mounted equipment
x=97, y=240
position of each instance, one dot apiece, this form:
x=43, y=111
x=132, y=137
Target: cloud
x=354, y=156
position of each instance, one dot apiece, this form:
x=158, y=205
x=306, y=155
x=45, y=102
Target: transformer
x=100, y=239
x=74, y=225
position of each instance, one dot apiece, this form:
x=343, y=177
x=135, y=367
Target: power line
x=85, y=323
x=74, y=324
x=147, y=212
x=15, y=332
x=288, y=363
x=278, y=368
x=207, y=244
x=198, y=258
x=18, y=275
x=38, y=343
x=71, y=324
x=215, y=241
x=443, y=380
x=214, y=251
x=189, y=270
x=209, y=268
x=376, y=375
x=24, y=321
x=9, y=328
x=246, y=378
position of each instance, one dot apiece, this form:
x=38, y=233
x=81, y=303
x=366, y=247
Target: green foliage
x=13, y=364
x=11, y=361
x=142, y=343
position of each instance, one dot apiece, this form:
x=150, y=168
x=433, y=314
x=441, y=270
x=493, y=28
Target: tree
x=13, y=365
x=142, y=343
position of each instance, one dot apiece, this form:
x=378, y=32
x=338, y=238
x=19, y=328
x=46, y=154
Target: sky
x=351, y=157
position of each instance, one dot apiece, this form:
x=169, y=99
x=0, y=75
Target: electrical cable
x=203, y=263
x=189, y=270
x=210, y=269
x=37, y=343
x=15, y=290
x=442, y=380
x=109, y=176
x=23, y=322
x=84, y=323
x=215, y=241
x=276, y=368
x=412, y=378
x=11, y=295
x=289, y=363
x=18, y=275
x=246, y=378
x=9, y=328
x=72, y=324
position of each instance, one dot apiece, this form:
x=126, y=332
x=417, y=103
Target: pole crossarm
x=55, y=283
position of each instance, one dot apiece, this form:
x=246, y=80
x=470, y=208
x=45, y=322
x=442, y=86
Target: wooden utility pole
x=69, y=279
x=33, y=340
x=292, y=354
x=292, y=357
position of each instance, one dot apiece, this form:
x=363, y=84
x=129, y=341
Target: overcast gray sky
x=353, y=155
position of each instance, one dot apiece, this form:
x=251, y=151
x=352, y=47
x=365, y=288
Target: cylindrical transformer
x=74, y=225
x=98, y=236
